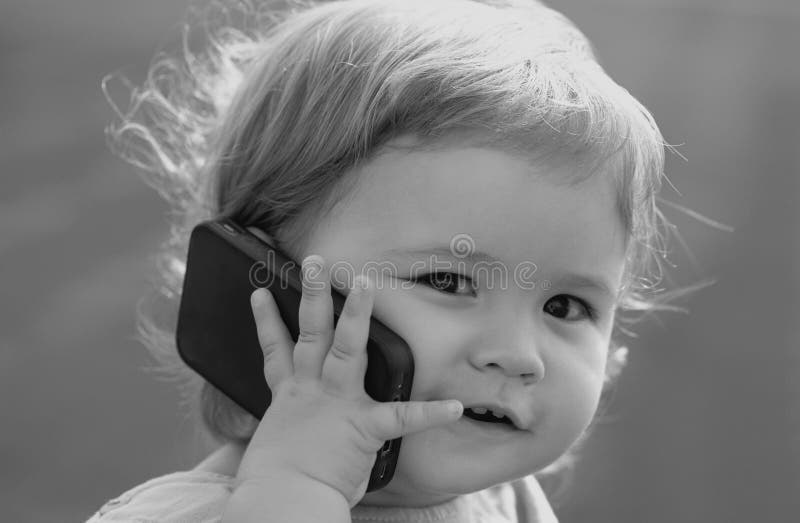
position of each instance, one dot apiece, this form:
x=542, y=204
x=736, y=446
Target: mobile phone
x=216, y=333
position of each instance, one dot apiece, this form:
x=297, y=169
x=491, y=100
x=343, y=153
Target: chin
x=455, y=479
x=423, y=469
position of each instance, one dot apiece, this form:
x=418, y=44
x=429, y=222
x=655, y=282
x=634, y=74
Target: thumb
x=396, y=419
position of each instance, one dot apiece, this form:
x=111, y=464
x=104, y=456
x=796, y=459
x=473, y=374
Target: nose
x=514, y=349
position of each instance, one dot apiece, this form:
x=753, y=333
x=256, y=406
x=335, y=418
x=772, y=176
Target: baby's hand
x=321, y=425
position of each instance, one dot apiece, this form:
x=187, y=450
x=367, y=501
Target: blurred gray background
x=706, y=422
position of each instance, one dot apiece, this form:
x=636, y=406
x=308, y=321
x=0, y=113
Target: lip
x=492, y=428
x=513, y=414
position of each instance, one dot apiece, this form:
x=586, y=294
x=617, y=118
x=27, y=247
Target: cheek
x=435, y=339
x=574, y=375
x=576, y=395
x=436, y=363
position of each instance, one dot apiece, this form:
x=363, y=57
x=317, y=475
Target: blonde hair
x=266, y=123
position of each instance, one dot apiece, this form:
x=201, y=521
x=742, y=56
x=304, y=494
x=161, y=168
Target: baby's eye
x=559, y=306
x=447, y=282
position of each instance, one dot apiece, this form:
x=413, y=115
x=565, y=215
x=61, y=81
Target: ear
x=617, y=359
x=261, y=234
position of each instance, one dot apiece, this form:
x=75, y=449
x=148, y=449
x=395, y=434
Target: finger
x=273, y=336
x=396, y=419
x=316, y=319
x=346, y=361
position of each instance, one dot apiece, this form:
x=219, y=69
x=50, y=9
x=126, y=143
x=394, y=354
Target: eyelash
x=425, y=278
x=591, y=312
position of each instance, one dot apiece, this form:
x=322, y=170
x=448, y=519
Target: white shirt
x=201, y=496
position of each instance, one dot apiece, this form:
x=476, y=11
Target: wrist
x=292, y=498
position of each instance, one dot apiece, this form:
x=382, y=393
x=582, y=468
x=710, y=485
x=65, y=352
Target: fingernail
x=361, y=283
x=455, y=408
x=257, y=298
x=312, y=268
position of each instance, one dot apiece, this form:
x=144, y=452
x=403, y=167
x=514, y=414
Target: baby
x=478, y=150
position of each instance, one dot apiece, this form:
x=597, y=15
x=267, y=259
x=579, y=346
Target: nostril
x=530, y=378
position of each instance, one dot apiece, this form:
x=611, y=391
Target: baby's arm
x=311, y=456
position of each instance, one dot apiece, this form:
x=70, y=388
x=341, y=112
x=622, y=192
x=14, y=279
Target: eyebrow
x=586, y=282
x=569, y=280
x=441, y=251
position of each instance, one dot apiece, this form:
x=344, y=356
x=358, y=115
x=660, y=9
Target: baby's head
x=398, y=134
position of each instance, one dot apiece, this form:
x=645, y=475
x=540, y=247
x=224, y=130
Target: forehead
x=407, y=199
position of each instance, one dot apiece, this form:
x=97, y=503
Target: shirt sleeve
x=183, y=497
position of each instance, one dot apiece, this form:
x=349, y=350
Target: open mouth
x=486, y=415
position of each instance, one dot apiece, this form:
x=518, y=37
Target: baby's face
x=526, y=345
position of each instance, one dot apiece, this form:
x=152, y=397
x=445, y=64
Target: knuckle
x=425, y=412
x=368, y=440
x=269, y=347
x=340, y=351
x=401, y=416
x=267, y=362
x=308, y=336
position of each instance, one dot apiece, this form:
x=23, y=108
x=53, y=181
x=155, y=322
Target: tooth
x=497, y=414
x=479, y=410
